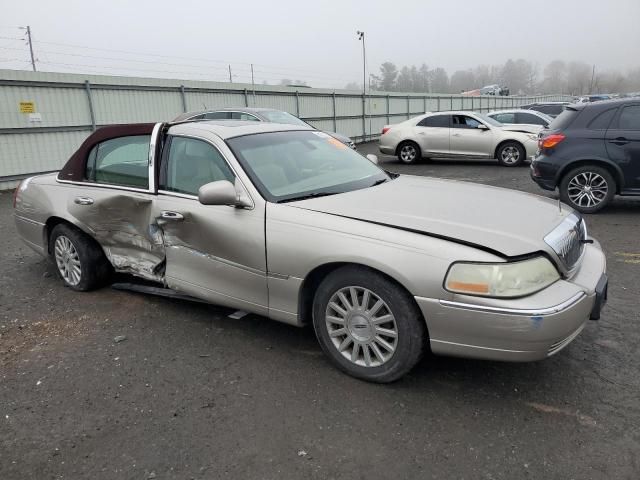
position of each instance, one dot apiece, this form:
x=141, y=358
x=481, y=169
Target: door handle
x=619, y=141
x=83, y=201
x=169, y=215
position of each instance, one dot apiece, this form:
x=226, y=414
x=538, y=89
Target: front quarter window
x=288, y=166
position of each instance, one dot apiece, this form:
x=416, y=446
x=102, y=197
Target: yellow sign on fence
x=27, y=107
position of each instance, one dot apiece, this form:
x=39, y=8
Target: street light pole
x=364, y=85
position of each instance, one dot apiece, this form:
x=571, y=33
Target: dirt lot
x=190, y=393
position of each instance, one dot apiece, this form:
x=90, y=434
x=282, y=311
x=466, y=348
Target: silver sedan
x=459, y=135
x=289, y=223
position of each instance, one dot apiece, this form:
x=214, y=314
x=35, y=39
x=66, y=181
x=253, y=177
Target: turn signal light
x=552, y=140
x=385, y=130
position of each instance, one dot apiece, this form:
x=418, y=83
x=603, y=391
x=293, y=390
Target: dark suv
x=590, y=153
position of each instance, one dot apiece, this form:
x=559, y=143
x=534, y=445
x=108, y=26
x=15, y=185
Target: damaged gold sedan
x=286, y=222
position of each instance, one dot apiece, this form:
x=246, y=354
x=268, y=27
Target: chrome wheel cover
x=510, y=155
x=408, y=153
x=587, y=189
x=67, y=260
x=361, y=326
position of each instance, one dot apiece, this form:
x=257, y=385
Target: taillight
x=15, y=193
x=551, y=141
x=385, y=130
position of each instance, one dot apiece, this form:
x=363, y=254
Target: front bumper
x=525, y=329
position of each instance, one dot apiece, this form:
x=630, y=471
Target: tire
x=588, y=189
x=397, y=313
x=409, y=152
x=79, y=260
x=511, y=154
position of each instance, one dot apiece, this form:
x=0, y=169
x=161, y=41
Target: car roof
x=234, y=128
x=603, y=104
x=256, y=110
x=516, y=110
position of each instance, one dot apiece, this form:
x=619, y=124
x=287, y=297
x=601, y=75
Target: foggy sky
x=316, y=41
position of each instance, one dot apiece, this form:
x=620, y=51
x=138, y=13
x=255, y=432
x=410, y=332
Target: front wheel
x=511, y=154
x=409, y=152
x=368, y=326
x=588, y=189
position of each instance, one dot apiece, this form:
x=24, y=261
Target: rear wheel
x=588, y=189
x=368, y=326
x=79, y=261
x=511, y=154
x=409, y=152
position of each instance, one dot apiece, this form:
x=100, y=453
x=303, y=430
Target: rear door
x=623, y=144
x=114, y=203
x=432, y=134
x=216, y=252
x=469, y=140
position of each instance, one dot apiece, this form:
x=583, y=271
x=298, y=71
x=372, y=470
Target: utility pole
x=33, y=60
x=593, y=74
x=364, y=85
x=253, y=84
x=230, y=77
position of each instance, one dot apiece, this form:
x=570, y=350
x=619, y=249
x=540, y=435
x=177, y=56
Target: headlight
x=510, y=279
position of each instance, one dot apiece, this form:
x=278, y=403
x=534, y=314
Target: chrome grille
x=567, y=240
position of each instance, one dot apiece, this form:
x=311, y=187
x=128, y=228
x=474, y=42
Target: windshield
x=276, y=116
x=487, y=119
x=287, y=166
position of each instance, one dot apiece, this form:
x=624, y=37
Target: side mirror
x=372, y=158
x=482, y=126
x=221, y=192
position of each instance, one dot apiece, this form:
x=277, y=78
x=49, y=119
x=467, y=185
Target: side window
x=192, y=163
x=217, y=115
x=120, y=161
x=441, y=121
x=602, y=120
x=462, y=121
x=530, y=119
x=247, y=117
x=505, y=117
x=630, y=118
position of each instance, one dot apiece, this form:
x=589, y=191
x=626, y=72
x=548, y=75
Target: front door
x=623, y=144
x=468, y=139
x=215, y=252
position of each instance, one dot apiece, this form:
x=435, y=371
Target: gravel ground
x=190, y=393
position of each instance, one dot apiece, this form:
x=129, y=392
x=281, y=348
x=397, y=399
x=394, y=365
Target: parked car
x=521, y=117
x=285, y=221
x=257, y=115
x=458, y=135
x=590, y=153
x=553, y=109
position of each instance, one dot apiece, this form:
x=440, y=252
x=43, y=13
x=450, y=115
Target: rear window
x=602, y=120
x=563, y=120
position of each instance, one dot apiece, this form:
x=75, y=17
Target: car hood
x=504, y=221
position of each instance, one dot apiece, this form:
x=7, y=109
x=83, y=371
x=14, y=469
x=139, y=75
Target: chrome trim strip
x=516, y=311
x=177, y=194
x=279, y=276
x=481, y=348
x=224, y=261
x=28, y=220
x=152, y=156
x=104, y=185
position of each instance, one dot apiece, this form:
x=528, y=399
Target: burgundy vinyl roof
x=74, y=169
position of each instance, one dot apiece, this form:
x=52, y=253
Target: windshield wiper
x=307, y=196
